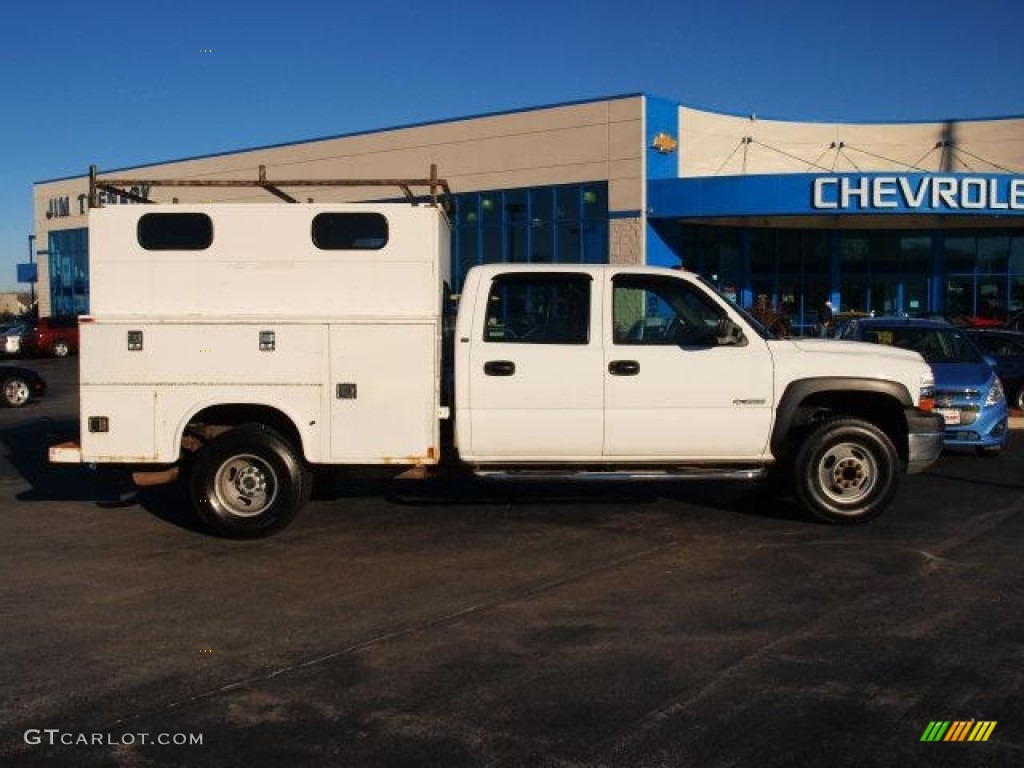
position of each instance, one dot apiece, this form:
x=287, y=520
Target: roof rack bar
x=272, y=188
x=440, y=193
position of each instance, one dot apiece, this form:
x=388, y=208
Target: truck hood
x=861, y=349
x=815, y=358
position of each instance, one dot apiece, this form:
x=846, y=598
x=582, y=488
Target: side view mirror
x=729, y=333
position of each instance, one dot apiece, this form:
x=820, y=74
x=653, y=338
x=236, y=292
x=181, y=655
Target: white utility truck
x=241, y=345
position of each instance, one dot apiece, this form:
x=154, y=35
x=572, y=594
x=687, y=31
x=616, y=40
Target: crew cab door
x=673, y=389
x=534, y=373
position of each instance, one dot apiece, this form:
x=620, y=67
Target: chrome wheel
x=249, y=481
x=246, y=485
x=16, y=393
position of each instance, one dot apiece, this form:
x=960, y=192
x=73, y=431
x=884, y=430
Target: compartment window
x=350, y=231
x=175, y=231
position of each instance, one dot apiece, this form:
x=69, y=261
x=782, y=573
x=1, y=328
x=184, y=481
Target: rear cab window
x=526, y=308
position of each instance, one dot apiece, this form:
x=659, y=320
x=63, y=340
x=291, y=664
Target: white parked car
x=10, y=337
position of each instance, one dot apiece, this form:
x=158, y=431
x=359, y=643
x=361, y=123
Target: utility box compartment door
x=384, y=392
x=118, y=424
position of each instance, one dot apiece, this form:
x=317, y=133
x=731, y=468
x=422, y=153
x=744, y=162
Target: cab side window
x=652, y=310
x=525, y=308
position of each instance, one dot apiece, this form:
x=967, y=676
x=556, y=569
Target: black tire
x=846, y=471
x=15, y=392
x=60, y=348
x=1018, y=399
x=249, y=482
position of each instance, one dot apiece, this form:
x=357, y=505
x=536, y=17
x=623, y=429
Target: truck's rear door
x=535, y=364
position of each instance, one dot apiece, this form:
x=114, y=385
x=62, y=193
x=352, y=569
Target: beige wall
x=712, y=144
x=595, y=141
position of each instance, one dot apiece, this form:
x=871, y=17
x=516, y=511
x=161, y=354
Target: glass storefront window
x=993, y=254
x=536, y=225
x=959, y=254
x=69, y=272
x=979, y=274
x=959, y=299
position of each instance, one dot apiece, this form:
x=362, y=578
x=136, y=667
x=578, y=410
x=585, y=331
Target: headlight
x=995, y=393
x=926, y=391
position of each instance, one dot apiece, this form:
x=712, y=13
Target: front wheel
x=846, y=471
x=249, y=482
x=60, y=348
x=15, y=392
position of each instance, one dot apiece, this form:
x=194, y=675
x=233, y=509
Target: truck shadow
x=26, y=447
x=27, y=442
x=575, y=498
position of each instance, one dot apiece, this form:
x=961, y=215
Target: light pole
x=31, y=260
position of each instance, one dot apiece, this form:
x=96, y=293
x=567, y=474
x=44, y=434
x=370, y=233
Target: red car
x=57, y=336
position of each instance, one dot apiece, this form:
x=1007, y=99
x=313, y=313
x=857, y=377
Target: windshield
x=935, y=345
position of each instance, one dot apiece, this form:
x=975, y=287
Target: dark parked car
x=19, y=386
x=57, y=336
x=968, y=393
x=1007, y=347
x=1015, y=323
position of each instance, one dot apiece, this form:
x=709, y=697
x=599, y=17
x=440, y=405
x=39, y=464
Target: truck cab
x=609, y=365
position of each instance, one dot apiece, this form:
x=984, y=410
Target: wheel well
x=209, y=422
x=882, y=410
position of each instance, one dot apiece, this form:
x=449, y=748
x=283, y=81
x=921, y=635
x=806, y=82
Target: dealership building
x=891, y=218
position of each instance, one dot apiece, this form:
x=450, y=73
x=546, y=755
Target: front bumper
x=925, y=435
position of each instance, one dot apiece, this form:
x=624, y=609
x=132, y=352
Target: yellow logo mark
x=958, y=730
x=664, y=143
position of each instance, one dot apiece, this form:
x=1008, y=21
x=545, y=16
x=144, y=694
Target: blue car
x=1007, y=347
x=967, y=391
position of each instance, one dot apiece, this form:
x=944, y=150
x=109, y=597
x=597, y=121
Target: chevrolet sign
x=918, y=193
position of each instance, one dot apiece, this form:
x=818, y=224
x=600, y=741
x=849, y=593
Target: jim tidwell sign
x=879, y=193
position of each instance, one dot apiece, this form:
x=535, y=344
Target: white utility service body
x=263, y=350
x=366, y=318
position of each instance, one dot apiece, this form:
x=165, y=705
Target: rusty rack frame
x=440, y=193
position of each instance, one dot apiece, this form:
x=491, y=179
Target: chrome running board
x=643, y=475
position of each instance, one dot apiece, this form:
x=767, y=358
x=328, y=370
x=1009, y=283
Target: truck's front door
x=536, y=388
x=672, y=389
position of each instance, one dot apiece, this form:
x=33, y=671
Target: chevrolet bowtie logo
x=664, y=143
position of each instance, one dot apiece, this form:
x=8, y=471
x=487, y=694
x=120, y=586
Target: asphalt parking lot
x=445, y=624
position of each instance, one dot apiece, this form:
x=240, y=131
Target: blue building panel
x=807, y=194
x=662, y=136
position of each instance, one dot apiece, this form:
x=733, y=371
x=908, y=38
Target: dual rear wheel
x=249, y=482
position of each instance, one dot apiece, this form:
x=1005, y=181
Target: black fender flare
x=798, y=392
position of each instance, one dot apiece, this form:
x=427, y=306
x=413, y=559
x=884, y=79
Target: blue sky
x=118, y=84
